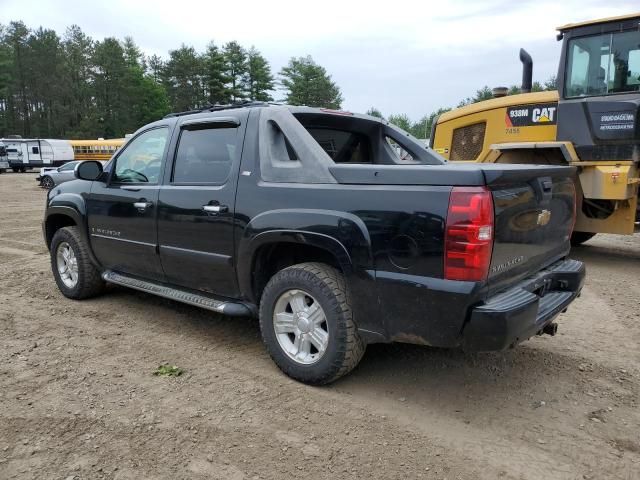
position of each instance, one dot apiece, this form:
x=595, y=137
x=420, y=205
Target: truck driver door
x=122, y=212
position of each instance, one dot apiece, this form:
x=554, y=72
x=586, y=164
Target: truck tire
x=47, y=182
x=307, y=323
x=578, y=238
x=75, y=274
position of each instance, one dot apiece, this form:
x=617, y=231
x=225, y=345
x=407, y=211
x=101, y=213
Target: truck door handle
x=142, y=205
x=215, y=208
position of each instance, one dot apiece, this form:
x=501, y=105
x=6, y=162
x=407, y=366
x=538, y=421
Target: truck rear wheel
x=75, y=274
x=307, y=324
x=578, y=238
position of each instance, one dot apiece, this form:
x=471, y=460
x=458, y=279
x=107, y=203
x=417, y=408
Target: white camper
x=4, y=163
x=24, y=154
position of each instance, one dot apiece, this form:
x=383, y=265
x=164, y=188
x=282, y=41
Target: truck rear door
x=534, y=216
x=197, y=202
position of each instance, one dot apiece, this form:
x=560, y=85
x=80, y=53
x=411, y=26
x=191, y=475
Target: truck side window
x=141, y=159
x=205, y=155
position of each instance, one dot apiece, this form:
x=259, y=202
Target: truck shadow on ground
x=600, y=254
x=434, y=376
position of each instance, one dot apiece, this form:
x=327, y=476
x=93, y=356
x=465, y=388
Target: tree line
x=422, y=127
x=73, y=86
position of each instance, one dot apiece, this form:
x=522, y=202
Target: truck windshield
x=603, y=64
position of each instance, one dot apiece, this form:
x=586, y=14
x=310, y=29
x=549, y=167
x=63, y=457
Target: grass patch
x=167, y=370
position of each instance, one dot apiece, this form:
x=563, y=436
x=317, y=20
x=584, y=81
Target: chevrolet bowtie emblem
x=543, y=217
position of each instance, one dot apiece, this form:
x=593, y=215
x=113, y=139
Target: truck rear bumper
x=523, y=311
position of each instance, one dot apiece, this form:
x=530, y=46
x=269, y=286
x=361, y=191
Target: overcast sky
x=399, y=56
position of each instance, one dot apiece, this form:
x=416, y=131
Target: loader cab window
x=603, y=64
x=634, y=69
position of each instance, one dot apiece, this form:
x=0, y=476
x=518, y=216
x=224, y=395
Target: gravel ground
x=79, y=399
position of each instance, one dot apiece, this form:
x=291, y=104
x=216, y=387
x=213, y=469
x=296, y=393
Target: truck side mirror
x=89, y=170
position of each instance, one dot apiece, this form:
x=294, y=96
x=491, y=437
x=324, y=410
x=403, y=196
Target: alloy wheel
x=301, y=327
x=67, y=264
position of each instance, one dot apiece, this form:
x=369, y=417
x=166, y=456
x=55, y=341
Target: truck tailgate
x=534, y=215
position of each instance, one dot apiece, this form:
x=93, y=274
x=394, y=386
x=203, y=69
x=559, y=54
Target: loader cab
x=599, y=88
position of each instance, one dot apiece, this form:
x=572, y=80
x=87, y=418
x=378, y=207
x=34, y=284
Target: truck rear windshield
x=362, y=141
x=603, y=64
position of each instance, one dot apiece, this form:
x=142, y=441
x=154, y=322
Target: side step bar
x=220, y=306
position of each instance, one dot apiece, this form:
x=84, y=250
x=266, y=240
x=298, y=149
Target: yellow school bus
x=95, y=149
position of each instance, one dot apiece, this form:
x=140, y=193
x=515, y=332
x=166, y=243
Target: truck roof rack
x=216, y=108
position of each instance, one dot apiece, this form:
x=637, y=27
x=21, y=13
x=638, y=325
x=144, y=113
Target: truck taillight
x=469, y=234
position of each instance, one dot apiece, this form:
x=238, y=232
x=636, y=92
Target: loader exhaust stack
x=527, y=71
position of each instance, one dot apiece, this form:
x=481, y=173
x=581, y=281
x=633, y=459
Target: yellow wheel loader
x=592, y=121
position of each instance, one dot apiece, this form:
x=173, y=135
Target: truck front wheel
x=307, y=323
x=73, y=271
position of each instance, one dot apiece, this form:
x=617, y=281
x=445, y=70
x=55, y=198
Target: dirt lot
x=78, y=398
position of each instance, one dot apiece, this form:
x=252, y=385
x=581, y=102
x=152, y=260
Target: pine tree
x=155, y=65
x=402, y=121
x=307, y=83
x=260, y=81
x=235, y=59
x=46, y=82
x=215, y=78
x=109, y=75
x=146, y=100
x=132, y=54
x=374, y=112
x=482, y=94
x=183, y=78
x=78, y=96
x=16, y=39
x=5, y=81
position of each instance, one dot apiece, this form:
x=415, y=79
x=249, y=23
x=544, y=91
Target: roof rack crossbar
x=217, y=107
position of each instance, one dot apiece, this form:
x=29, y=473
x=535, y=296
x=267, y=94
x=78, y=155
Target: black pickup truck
x=335, y=229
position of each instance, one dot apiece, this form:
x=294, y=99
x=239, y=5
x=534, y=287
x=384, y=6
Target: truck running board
x=220, y=306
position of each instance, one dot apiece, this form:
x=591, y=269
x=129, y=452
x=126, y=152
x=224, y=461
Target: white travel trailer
x=4, y=163
x=24, y=154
